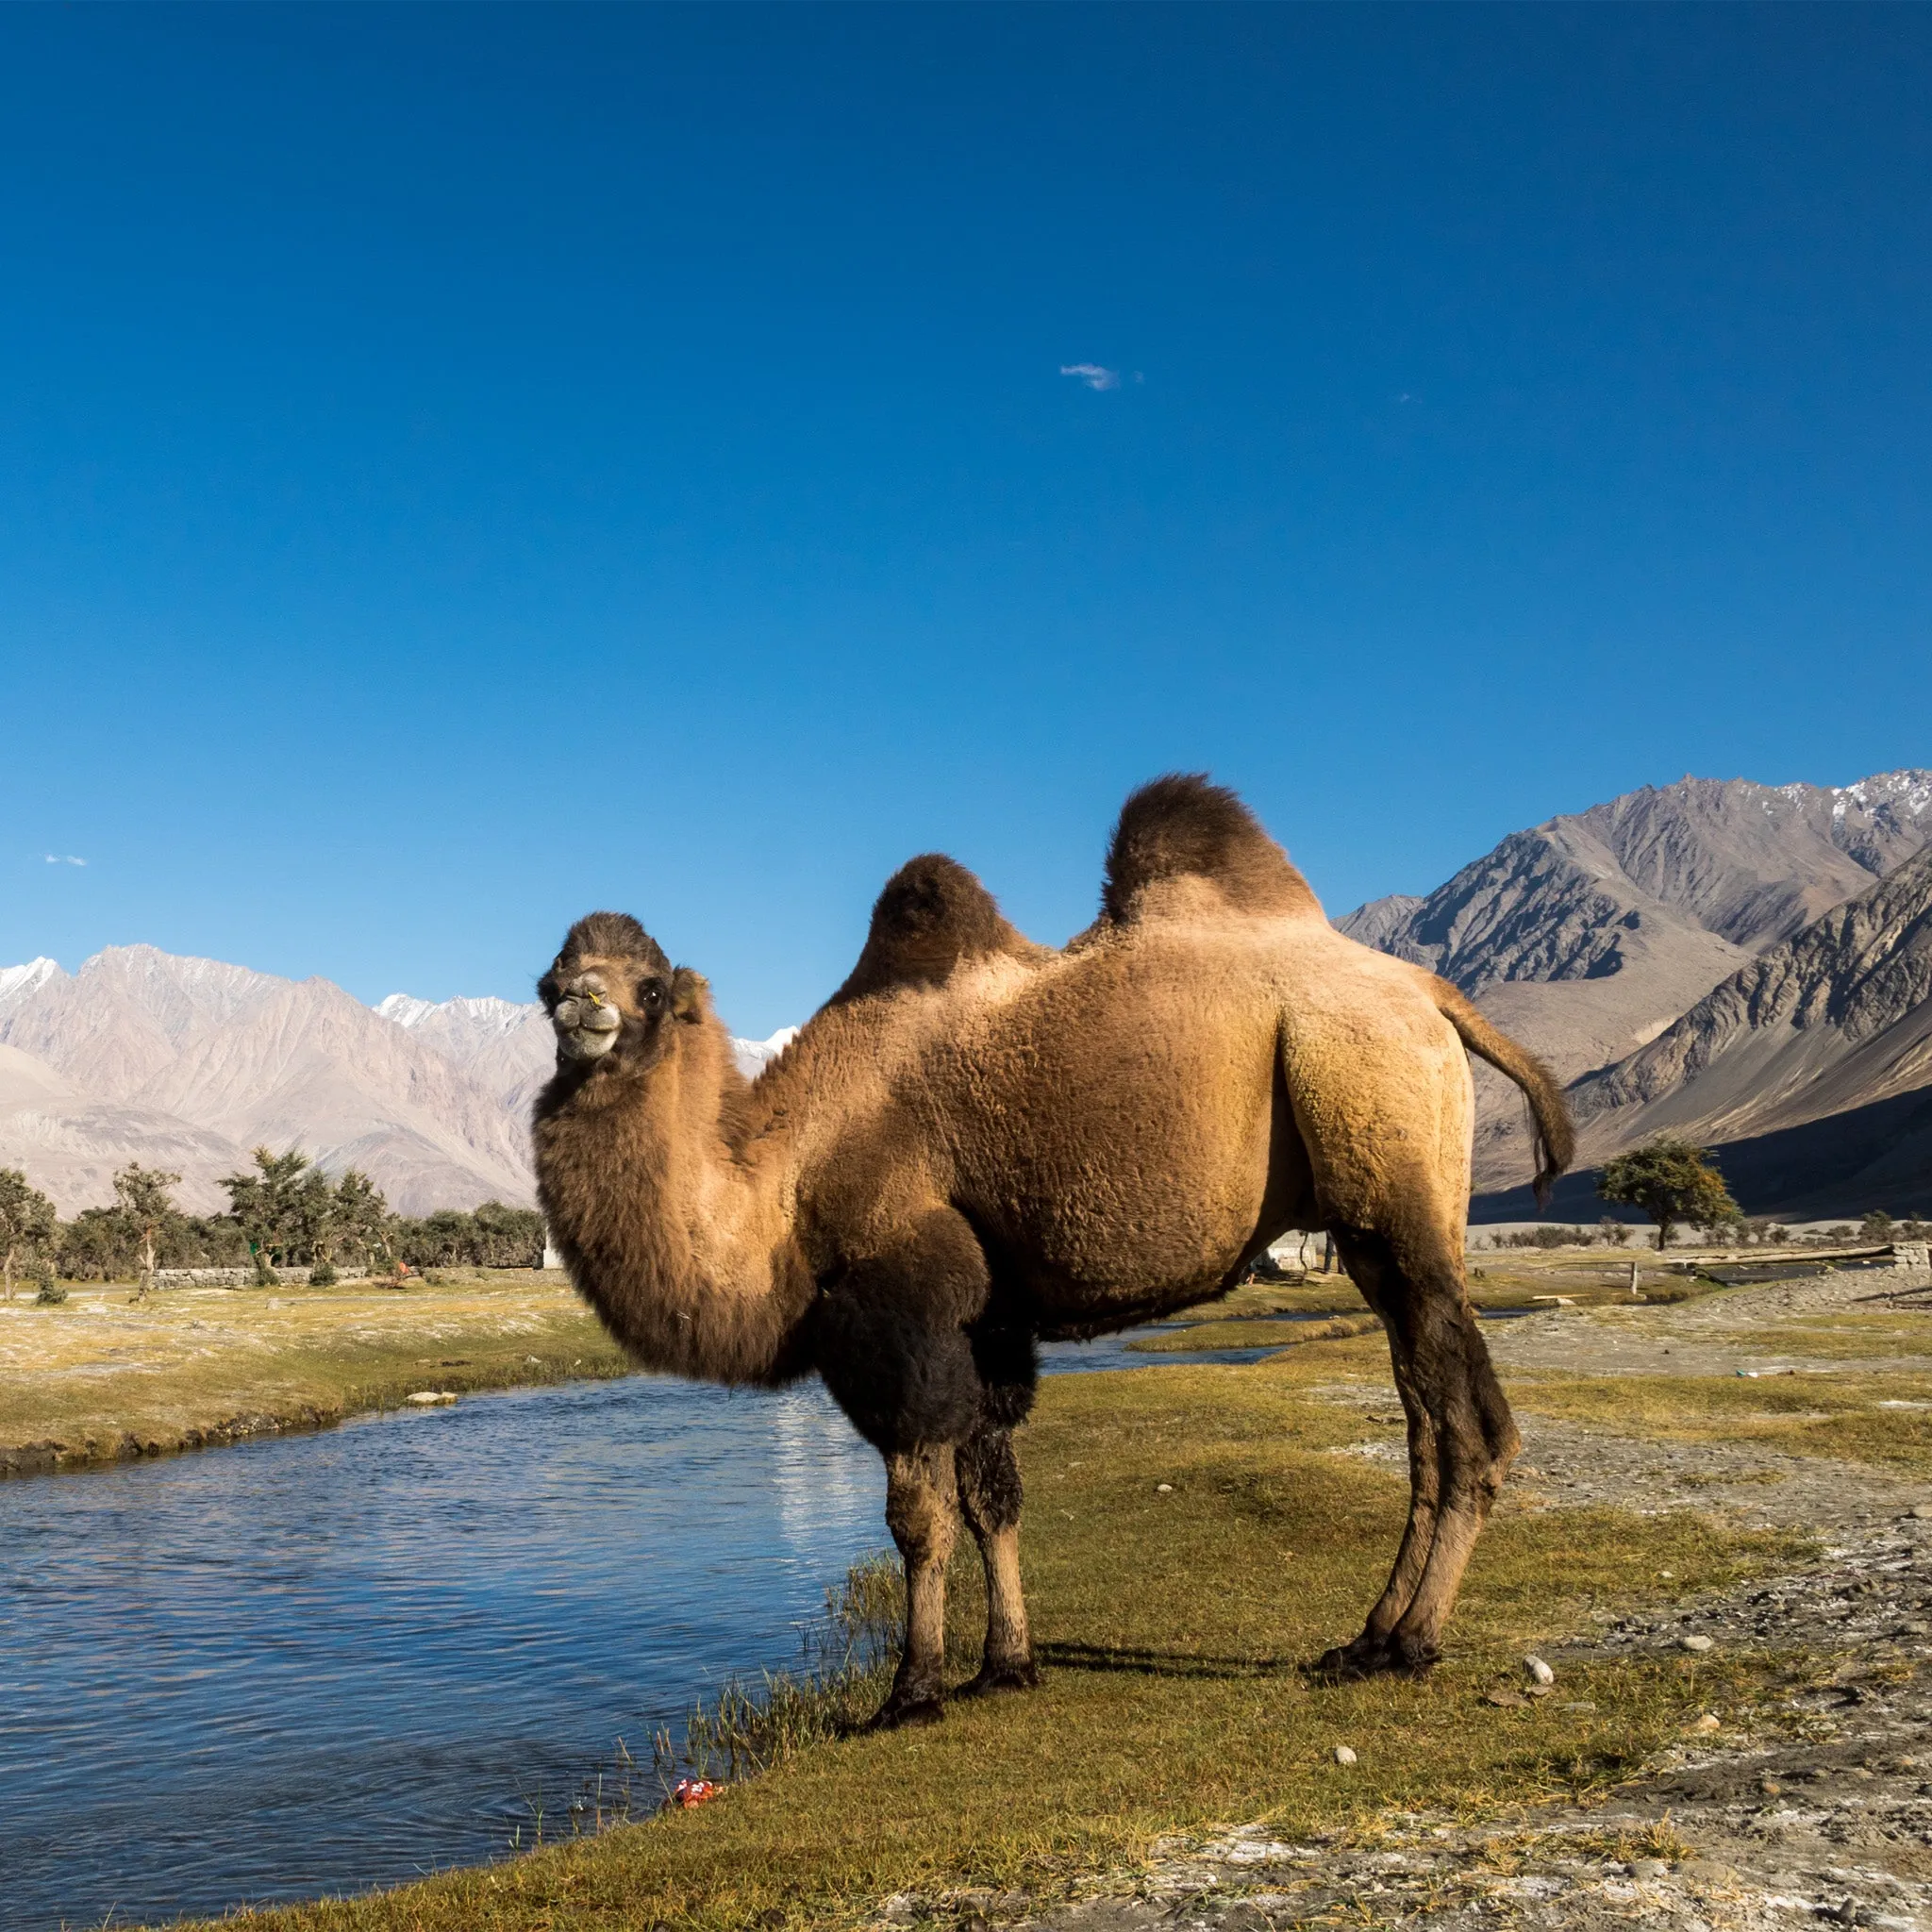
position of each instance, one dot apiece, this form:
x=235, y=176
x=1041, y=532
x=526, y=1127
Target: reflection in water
x=318, y=1663
x=321, y=1662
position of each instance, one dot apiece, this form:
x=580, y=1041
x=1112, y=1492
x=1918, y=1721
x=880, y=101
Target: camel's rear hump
x=1181, y=827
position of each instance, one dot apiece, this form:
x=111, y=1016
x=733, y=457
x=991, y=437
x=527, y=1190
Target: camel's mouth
x=586, y=1024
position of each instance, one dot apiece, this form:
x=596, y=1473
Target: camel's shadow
x=1163, y=1663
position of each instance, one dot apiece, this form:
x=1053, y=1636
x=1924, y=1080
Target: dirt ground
x=1814, y=1807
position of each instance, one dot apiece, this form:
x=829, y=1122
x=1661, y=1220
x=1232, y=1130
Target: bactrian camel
x=979, y=1143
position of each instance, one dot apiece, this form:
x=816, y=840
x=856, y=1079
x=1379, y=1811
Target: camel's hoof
x=1347, y=1663
x=897, y=1712
x=1378, y=1656
x=1414, y=1657
x=993, y=1677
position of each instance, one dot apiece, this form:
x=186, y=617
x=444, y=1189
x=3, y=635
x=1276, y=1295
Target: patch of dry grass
x=101, y=1376
x=1847, y=1337
x=1881, y=1419
x=1253, y=1334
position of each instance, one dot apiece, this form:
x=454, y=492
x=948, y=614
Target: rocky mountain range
x=1722, y=958
x=187, y=1064
x=1833, y=1025
x=1745, y=964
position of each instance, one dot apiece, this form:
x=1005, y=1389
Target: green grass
x=1171, y=1628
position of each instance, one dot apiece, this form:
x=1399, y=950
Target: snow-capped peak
x=754, y=1056
x=486, y=1013
x=16, y=982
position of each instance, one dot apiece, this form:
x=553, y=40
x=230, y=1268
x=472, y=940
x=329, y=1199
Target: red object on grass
x=687, y=1792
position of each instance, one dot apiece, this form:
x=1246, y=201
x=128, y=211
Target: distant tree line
x=284, y=1213
x=1678, y=1184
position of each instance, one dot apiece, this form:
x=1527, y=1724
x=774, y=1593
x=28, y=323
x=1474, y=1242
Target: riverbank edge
x=113, y=1448
x=780, y=1823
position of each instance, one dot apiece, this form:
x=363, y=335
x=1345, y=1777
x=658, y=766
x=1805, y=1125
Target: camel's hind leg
x=1461, y=1438
x=990, y=1501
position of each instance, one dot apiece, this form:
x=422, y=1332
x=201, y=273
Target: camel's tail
x=1556, y=1137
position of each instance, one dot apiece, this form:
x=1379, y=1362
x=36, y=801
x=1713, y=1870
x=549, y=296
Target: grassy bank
x=104, y=1378
x=1171, y=1624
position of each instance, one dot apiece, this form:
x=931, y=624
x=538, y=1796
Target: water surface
x=315, y=1664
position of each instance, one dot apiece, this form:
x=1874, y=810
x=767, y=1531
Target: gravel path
x=1701, y=1337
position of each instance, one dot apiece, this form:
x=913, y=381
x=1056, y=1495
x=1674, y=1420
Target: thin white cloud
x=67, y=858
x=1092, y=374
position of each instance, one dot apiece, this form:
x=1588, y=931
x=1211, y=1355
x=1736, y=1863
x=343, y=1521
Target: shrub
x=322, y=1275
x=52, y=1294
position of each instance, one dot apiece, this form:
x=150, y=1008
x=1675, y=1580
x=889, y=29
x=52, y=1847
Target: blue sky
x=459, y=467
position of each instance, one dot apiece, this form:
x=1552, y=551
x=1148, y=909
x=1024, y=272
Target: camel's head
x=613, y=996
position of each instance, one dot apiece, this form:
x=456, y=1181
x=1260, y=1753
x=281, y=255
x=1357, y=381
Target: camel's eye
x=650, y=994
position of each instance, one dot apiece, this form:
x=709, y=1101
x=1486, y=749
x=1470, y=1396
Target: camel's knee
x=921, y=1505
x=990, y=1491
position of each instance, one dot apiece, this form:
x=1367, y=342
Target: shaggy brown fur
x=979, y=1141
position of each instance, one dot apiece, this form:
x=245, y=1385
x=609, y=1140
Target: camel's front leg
x=922, y=1498
x=990, y=1500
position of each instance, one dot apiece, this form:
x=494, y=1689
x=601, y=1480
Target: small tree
x=267, y=1203
x=145, y=1205
x=1672, y=1181
x=26, y=1221
x=1612, y=1232
x=317, y=1226
x=363, y=1217
x=1878, y=1226
x=508, y=1237
x=94, y=1246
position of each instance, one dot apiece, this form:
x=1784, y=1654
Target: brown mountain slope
x=69, y=1144
x=1587, y=936
x=1835, y=1018
x=188, y=1063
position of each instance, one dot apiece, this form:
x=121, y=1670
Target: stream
x=316, y=1663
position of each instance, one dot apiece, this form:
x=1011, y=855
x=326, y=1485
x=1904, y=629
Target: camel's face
x=614, y=1006
x=595, y=999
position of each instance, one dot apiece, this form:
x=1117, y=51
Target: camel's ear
x=688, y=994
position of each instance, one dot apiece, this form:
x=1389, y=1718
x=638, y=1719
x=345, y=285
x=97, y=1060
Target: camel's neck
x=683, y=1247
